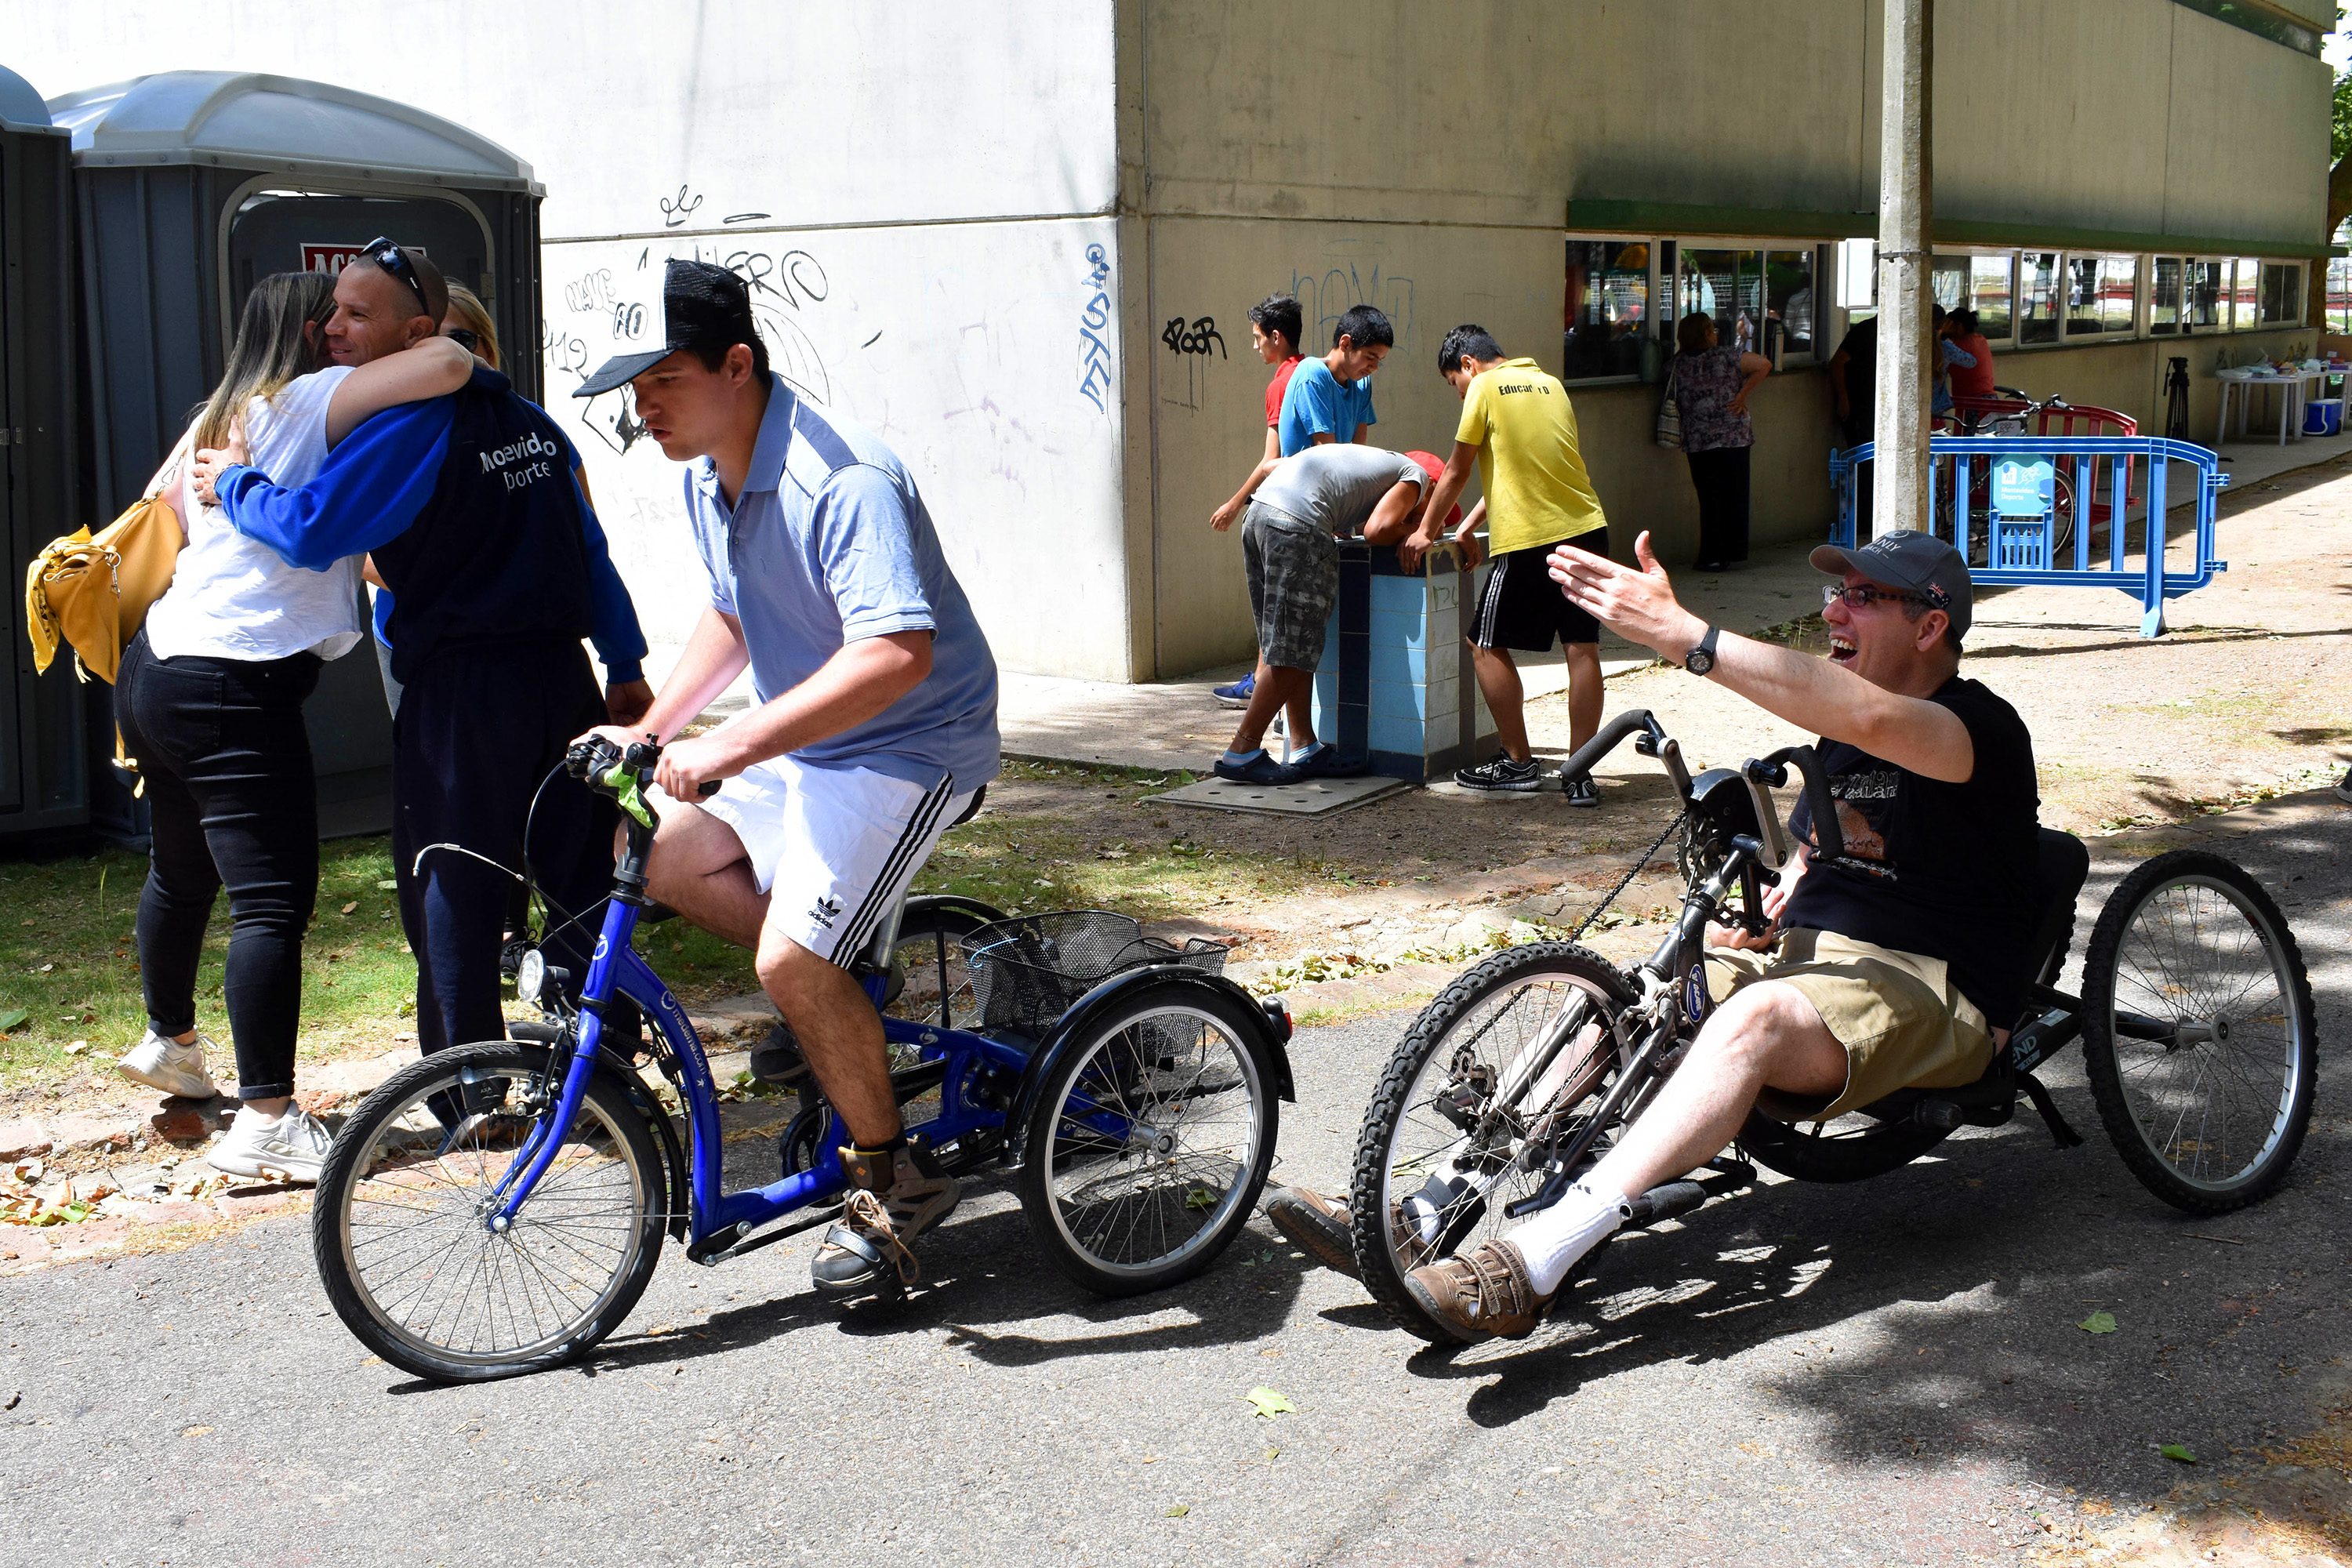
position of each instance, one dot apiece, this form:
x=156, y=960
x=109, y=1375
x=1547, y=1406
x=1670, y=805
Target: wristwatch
x=1701, y=660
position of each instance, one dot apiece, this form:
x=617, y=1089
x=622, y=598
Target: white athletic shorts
x=835, y=848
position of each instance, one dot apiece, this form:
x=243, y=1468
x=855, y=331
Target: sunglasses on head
x=384, y=253
x=1863, y=598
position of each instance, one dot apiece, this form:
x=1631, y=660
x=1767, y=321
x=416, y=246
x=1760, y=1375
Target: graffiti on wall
x=1094, y=354
x=1325, y=297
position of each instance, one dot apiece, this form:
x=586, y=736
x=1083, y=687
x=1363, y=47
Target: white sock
x=1556, y=1239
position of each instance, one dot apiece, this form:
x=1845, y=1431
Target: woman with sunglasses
x=210, y=699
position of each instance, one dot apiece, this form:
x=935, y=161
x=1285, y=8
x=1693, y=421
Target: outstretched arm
x=1638, y=604
x=1223, y=518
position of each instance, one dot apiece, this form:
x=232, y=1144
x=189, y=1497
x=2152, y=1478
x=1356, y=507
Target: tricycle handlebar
x=1829, y=842
x=1612, y=734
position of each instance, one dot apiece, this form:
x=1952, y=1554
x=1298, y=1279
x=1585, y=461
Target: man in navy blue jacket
x=471, y=506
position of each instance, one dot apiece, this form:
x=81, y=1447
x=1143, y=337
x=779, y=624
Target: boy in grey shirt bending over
x=1290, y=545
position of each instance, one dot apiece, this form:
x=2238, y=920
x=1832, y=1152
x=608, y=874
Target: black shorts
x=1521, y=607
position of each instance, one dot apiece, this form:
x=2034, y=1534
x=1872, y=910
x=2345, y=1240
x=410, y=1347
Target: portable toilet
x=44, y=765
x=192, y=185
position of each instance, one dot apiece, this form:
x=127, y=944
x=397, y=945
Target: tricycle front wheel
x=401, y=1227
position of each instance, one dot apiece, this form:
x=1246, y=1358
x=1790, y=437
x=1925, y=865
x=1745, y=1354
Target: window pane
x=2245, y=308
x=2042, y=287
x=2281, y=294
x=2164, y=297
x=2206, y=293
x=1608, y=307
x=1989, y=284
x=2339, y=295
x=1788, y=301
x=1948, y=276
x=1726, y=284
x=2099, y=293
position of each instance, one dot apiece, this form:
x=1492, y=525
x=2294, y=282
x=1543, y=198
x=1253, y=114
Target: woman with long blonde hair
x=210, y=699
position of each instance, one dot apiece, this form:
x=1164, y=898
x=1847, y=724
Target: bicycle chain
x=1626, y=880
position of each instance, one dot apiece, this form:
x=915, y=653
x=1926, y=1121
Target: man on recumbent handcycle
x=874, y=731
x=1874, y=977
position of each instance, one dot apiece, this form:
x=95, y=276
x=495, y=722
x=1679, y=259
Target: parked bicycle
x=498, y=1207
x=2194, y=1016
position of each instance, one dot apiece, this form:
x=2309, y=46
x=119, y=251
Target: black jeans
x=1720, y=477
x=227, y=760
x=478, y=731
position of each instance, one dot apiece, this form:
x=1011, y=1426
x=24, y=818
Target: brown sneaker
x=1319, y=1226
x=893, y=1198
x=1483, y=1294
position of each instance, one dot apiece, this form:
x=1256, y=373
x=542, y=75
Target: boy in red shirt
x=1274, y=325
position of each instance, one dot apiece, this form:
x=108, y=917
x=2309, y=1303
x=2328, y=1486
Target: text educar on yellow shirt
x=1537, y=493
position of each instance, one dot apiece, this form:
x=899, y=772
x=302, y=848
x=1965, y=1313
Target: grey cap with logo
x=1917, y=562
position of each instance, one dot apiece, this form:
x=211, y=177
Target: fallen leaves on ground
x=2098, y=1323
x=2177, y=1451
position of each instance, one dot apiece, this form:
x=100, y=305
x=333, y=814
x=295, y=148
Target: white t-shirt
x=232, y=597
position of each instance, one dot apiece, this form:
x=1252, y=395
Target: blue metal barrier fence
x=2022, y=509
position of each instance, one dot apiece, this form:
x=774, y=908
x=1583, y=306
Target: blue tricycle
x=497, y=1208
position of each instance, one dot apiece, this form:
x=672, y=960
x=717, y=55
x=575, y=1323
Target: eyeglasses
x=384, y=253
x=464, y=338
x=1861, y=598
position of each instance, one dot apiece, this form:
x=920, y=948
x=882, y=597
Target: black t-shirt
x=1951, y=865
x=1861, y=348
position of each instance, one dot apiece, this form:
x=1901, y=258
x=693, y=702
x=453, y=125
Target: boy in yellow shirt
x=1537, y=495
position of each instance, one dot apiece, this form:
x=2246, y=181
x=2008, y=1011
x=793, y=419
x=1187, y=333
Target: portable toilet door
x=44, y=768
x=194, y=184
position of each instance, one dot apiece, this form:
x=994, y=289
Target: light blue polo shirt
x=829, y=543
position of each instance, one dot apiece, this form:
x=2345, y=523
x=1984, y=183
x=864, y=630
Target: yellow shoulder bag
x=93, y=591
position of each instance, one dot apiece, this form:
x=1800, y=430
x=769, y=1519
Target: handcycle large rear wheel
x=1151, y=1140
x=2199, y=1032
x=401, y=1232
x=1474, y=1082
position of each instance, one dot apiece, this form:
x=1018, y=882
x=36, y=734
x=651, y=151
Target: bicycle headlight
x=530, y=974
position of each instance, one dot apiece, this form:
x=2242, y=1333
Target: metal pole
x=1905, y=289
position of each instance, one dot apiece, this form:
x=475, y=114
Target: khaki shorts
x=1896, y=1014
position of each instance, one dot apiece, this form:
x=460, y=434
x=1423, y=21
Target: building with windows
x=1020, y=242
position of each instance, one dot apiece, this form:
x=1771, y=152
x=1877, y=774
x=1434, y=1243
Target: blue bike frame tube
x=539, y=1151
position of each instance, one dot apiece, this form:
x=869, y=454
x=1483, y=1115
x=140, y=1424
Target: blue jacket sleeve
x=373, y=488
x=620, y=641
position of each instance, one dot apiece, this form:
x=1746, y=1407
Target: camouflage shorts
x=1294, y=581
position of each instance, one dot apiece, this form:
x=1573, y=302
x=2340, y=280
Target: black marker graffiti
x=615, y=422
x=744, y=217
x=1194, y=339
x=564, y=351
x=792, y=278
x=589, y=294
x=871, y=342
x=674, y=212
x=1095, y=355
x=629, y=322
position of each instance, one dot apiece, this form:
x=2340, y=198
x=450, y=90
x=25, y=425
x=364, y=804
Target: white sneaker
x=290, y=1149
x=160, y=1062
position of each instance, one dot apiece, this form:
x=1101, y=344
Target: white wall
x=914, y=191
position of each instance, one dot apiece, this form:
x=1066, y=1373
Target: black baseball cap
x=1923, y=564
x=703, y=306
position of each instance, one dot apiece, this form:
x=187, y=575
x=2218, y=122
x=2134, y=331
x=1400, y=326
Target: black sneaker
x=1502, y=774
x=1261, y=769
x=2344, y=788
x=777, y=1057
x=1580, y=792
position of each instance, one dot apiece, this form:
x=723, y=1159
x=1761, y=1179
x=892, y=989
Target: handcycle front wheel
x=1477, y=1079
x=401, y=1226
x=1151, y=1139
x=2199, y=1032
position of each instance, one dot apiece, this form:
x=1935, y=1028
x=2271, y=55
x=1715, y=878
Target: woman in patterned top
x=1712, y=384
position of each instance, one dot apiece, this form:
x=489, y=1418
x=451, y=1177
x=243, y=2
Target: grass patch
x=69, y=966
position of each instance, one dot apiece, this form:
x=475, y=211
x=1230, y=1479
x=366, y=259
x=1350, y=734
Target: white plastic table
x=2291, y=395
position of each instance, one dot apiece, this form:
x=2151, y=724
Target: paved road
x=1881, y=1374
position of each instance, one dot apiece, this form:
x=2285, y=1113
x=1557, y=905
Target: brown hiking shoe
x=1319, y=1226
x=1483, y=1294
x=894, y=1197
